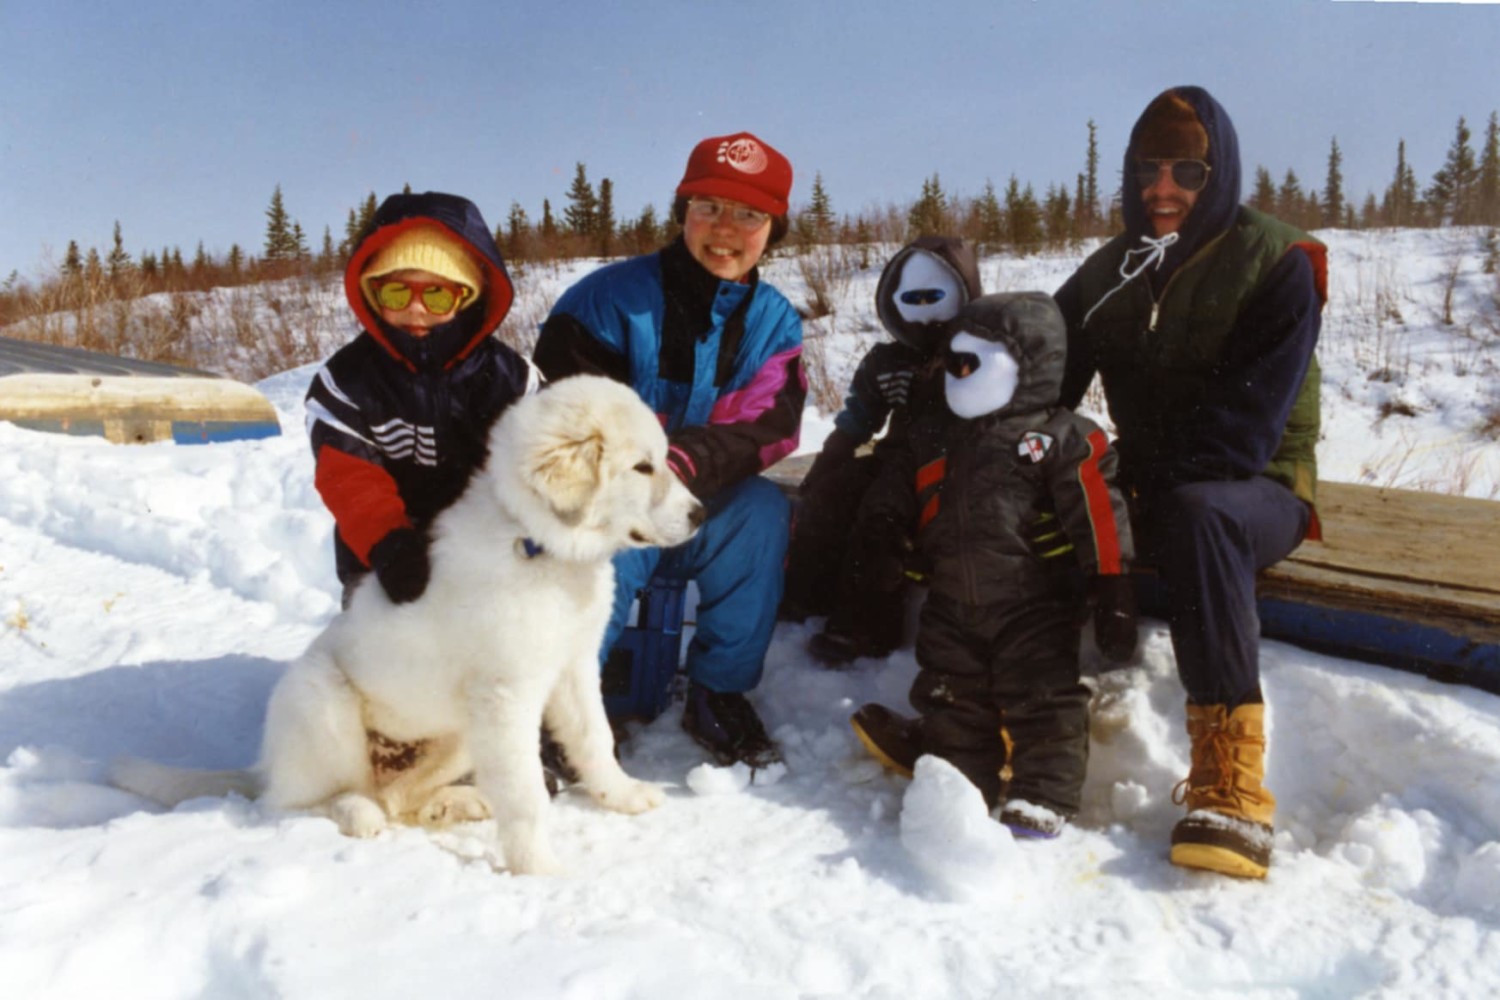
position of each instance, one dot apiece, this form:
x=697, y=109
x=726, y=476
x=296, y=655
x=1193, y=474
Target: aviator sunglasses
x=1190, y=175
x=748, y=219
x=438, y=297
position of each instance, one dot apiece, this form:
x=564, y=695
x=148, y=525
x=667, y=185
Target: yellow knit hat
x=426, y=248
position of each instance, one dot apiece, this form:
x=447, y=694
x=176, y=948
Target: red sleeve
x=362, y=497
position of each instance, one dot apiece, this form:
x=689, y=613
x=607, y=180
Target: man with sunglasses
x=399, y=417
x=1201, y=320
x=717, y=353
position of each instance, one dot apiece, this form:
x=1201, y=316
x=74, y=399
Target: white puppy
x=507, y=633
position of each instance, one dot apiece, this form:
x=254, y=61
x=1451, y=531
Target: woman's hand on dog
x=400, y=563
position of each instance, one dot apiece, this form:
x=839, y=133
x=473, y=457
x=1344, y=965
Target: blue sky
x=178, y=119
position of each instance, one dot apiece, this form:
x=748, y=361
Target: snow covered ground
x=151, y=595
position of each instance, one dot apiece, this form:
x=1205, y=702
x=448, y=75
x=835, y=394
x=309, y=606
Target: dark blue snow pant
x=1208, y=541
x=736, y=559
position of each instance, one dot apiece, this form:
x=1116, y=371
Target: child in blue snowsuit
x=717, y=353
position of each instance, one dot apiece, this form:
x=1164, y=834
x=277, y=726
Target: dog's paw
x=357, y=816
x=631, y=796
x=454, y=804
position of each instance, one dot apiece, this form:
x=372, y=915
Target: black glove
x=1046, y=539
x=400, y=563
x=838, y=449
x=1114, y=617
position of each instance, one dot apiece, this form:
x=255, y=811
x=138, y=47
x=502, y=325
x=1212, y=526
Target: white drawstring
x=1155, y=252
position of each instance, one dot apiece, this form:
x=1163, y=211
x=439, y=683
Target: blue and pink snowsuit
x=721, y=364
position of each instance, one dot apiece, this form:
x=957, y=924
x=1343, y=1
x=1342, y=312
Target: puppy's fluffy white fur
x=500, y=638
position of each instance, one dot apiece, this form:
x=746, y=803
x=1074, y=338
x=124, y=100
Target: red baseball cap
x=742, y=168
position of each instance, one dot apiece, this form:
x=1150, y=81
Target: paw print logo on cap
x=744, y=155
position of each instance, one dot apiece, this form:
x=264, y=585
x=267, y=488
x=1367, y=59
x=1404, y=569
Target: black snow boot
x=726, y=725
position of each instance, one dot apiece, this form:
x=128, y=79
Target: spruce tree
x=1089, y=210
x=281, y=244
x=1263, y=196
x=1056, y=214
x=517, y=230
x=1399, y=207
x=989, y=219
x=118, y=262
x=646, y=232
x=604, y=220
x=1333, y=188
x=235, y=260
x=351, y=235
x=582, y=212
x=928, y=217
x=1487, y=194
x=1452, y=191
x=72, y=265
x=1289, y=202
x=1023, y=217
x=819, y=214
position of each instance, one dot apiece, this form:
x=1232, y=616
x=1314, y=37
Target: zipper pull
x=1155, y=311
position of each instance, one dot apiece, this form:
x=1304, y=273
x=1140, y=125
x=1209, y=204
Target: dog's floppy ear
x=565, y=467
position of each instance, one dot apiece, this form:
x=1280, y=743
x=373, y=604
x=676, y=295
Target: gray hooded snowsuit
x=999, y=636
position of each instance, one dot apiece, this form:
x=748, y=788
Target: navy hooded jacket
x=399, y=423
x=1230, y=424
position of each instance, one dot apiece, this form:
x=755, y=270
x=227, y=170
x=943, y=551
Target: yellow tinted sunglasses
x=438, y=297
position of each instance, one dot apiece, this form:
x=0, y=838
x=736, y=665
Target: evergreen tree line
x=1465, y=190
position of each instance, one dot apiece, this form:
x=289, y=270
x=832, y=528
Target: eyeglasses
x=748, y=219
x=1190, y=175
x=438, y=297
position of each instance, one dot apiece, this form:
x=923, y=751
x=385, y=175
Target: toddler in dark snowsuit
x=920, y=291
x=998, y=691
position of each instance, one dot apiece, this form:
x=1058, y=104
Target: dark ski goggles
x=923, y=296
x=960, y=364
x=1190, y=175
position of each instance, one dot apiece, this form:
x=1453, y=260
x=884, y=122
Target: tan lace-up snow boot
x=1228, y=825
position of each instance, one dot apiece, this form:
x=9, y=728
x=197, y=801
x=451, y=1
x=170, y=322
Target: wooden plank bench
x=1403, y=578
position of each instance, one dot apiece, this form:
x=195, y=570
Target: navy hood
x=447, y=343
x=1219, y=201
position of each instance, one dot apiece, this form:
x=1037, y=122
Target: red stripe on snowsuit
x=361, y=496
x=1100, y=510
x=930, y=476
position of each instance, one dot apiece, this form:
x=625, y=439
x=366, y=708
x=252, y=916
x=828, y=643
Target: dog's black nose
x=698, y=515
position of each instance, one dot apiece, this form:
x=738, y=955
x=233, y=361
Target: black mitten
x=400, y=563
x=1114, y=617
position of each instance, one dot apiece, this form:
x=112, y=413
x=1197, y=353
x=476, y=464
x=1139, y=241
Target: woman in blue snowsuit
x=717, y=354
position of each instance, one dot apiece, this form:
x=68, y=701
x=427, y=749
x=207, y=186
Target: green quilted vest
x=1158, y=372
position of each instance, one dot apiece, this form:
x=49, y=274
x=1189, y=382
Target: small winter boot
x=1029, y=821
x=892, y=738
x=1228, y=825
x=725, y=724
